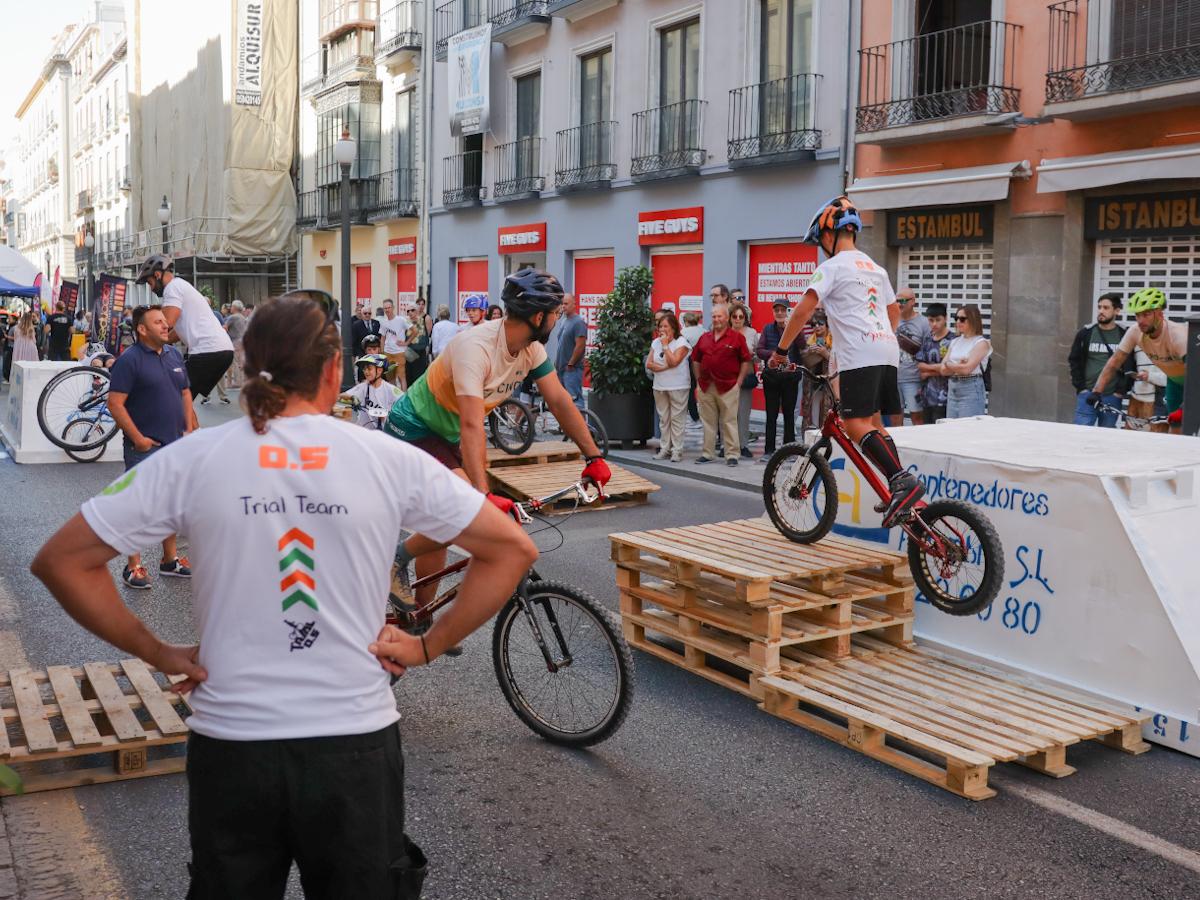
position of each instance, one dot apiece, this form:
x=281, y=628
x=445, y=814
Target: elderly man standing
x=572, y=343
x=720, y=361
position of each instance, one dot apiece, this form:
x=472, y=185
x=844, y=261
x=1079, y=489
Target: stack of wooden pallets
x=66, y=727
x=822, y=635
x=552, y=465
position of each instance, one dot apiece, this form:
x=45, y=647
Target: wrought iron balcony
x=399, y=28
x=462, y=179
x=355, y=67
x=340, y=16
x=312, y=210
x=586, y=156
x=453, y=17
x=1094, y=50
x=519, y=169
x=964, y=71
x=396, y=196
x=668, y=140
x=774, y=121
x=364, y=196
x=514, y=21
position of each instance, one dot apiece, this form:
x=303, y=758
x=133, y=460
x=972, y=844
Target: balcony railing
x=453, y=17
x=355, y=65
x=312, y=209
x=586, y=156
x=507, y=12
x=964, y=71
x=312, y=71
x=668, y=140
x=399, y=28
x=396, y=196
x=1103, y=46
x=462, y=179
x=84, y=201
x=123, y=181
x=519, y=168
x=364, y=196
x=774, y=120
x=339, y=16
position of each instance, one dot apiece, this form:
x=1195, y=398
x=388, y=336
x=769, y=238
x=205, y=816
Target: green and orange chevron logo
x=296, y=565
x=872, y=302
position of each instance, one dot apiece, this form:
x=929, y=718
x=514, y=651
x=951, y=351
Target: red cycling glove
x=596, y=470
x=1176, y=418
x=503, y=504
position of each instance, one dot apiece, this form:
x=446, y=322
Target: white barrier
x=1101, y=564
x=19, y=425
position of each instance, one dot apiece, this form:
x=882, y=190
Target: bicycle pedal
x=881, y=508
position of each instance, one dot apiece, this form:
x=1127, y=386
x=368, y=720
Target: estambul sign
x=959, y=224
x=1142, y=215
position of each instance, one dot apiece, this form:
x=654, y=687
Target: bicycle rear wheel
x=800, y=493
x=77, y=393
x=512, y=426
x=81, y=431
x=956, y=557
x=587, y=699
x=597, y=430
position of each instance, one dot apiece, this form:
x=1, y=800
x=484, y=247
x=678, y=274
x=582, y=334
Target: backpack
x=987, y=376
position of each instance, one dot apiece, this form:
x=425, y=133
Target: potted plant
x=621, y=391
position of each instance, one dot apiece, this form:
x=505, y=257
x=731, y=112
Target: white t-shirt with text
x=381, y=396
x=855, y=294
x=197, y=324
x=292, y=535
x=395, y=334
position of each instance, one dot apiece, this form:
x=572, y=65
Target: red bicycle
x=954, y=551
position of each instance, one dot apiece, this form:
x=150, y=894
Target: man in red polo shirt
x=720, y=360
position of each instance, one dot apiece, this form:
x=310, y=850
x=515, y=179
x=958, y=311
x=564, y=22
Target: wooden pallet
x=524, y=482
x=538, y=454
x=742, y=593
x=906, y=706
x=118, y=721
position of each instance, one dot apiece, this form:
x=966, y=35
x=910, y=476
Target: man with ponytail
x=860, y=305
x=292, y=515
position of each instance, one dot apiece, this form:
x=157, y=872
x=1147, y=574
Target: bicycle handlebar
x=579, y=489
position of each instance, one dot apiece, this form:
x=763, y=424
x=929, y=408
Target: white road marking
x=1122, y=831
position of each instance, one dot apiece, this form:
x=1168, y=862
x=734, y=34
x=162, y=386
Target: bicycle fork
x=554, y=662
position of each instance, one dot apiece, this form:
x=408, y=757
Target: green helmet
x=1147, y=299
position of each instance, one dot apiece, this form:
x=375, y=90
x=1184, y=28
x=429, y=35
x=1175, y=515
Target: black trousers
x=335, y=805
x=780, y=393
x=693, y=409
x=206, y=369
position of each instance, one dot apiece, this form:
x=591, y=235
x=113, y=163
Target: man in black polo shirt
x=59, y=331
x=150, y=401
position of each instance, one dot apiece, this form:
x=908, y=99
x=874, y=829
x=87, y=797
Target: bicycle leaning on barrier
x=72, y=410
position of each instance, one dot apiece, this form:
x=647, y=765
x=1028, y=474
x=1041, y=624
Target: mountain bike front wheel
x=77, y=393
x=512, y=426
x=588, y=696
x=956, y=557
x=800, y=493
x=597, y=430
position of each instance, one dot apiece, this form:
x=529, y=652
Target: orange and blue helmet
x=838, y=213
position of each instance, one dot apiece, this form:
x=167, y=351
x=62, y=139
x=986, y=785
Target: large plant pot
x=626, y=417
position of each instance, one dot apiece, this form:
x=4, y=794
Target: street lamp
x=344, y=153
x=164, y=216
x=89, y=241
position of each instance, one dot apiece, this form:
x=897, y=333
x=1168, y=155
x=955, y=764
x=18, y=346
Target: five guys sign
x=671, y=226
x=522, y=238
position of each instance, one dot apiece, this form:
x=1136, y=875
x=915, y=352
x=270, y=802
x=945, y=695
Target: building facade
x=693, y=137
x=1028, y=156
x=361, y=72
x=45, y=217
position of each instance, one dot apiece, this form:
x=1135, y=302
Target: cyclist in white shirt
x=210, y=349
x=860, y=305
x=294, y=752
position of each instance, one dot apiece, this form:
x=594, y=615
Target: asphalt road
x=700, y=794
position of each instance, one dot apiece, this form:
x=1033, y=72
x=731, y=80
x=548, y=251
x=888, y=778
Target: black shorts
x=448, y=454
x=869, y=390
x=205, y=370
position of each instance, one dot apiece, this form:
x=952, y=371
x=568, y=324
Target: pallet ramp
x=525, y=482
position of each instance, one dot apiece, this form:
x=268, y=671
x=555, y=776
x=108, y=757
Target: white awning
x=1074, y=173
x=939, y=188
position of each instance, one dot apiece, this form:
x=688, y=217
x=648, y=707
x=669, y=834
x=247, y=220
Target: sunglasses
x=961, y=319
x=323, y=299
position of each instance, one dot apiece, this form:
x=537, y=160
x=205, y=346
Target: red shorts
x=448, y=454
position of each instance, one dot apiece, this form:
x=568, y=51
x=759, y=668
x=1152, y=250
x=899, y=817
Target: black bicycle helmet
x=156, y=262
x=528, y=292
x=370, y=339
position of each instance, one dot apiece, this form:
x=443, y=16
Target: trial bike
x=560, y=658
x=377, y=414
x=1133, y=423
x=516, y=423
x=72, y=412
x=954, y=551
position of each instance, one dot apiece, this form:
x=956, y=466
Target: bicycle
x=1133, y=423
x=72, y=412
x=560, y=658
x=511, y=426
x=546, y=427
x=377, y=414
x=947, y=539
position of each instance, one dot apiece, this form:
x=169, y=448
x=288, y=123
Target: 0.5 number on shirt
x=277, y=458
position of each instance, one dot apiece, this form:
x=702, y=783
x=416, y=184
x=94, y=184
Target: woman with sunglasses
x=964, y=365
x=294, y=752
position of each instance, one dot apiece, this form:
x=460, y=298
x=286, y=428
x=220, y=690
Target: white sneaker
x=677, y=456
x=662, y=454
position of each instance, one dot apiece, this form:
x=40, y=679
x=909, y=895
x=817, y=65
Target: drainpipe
x=855, y=13
x=424, y=257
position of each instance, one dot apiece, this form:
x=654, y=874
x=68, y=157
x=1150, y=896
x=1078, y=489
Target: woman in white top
x=667, y=363
x=739, y=321
x=965, y=361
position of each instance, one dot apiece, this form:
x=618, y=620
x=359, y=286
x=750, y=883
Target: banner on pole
x=468, y=55
x=110, y=310
x=69, y=294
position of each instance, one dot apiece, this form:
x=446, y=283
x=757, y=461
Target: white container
x=19, y=426
x=1102, y=564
